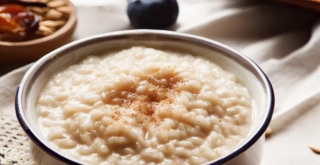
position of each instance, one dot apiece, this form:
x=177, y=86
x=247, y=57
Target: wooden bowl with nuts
x=30, y=29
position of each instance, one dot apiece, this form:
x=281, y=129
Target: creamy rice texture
x=145, y=106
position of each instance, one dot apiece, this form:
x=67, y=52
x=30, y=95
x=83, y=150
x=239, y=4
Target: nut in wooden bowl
x=54, y=22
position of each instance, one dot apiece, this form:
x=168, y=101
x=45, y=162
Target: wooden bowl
x=32, y=50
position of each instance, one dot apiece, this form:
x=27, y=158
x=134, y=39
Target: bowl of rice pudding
x=145, y=97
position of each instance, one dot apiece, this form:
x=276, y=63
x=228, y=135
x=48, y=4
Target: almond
x=53, y=14
x=37, y=10
x=46, y=30
x=268, y=131
x=315, y=149
x=56, y=3
x=50, y=23
x=65, y=9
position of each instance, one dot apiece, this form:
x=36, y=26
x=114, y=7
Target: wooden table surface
x=6, y=68
x=308, y=4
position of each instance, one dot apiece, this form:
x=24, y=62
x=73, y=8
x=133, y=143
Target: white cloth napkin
x=283, y=40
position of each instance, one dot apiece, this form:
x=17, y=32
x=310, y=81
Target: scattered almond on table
x=268, y=132
x=315, y=149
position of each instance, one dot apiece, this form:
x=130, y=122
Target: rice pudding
x=145, y=106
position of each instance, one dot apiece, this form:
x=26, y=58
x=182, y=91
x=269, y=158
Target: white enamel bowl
x=249, y=152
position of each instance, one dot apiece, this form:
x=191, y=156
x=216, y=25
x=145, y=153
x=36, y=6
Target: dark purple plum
x=28, y=20
x=152, y=14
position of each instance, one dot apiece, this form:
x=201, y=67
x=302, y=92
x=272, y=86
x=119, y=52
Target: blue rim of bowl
x=201, y=41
